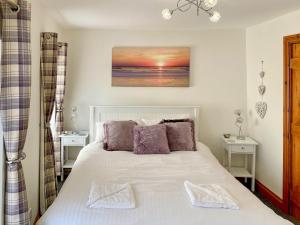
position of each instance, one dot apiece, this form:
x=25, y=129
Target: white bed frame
x=105, y=113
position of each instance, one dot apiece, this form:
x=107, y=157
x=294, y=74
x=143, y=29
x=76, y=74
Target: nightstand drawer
x=242, y=148
x=74, y=141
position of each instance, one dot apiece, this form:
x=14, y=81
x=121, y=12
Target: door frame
x=287, y=42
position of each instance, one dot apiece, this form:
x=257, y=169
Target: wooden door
x=295, y=129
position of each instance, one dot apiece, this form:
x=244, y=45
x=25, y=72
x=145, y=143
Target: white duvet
x=159, y=192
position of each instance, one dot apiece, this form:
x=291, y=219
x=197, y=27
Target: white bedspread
x=159, y=191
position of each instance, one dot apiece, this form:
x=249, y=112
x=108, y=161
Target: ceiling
x=146, y=14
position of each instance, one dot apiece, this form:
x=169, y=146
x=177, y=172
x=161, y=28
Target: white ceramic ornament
x=262, y=89
x=261, y=109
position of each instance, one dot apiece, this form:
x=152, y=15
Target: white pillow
x=99, y=132
x=150, y=122
x=140, y=122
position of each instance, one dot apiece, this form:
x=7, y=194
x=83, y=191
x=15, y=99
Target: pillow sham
x=100, y=129
x=181, y=134
x=151, y=139
x=118, y=135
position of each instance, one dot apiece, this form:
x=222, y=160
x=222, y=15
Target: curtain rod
x=13, y=5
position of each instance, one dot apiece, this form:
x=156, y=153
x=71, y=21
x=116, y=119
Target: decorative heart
x=262, y=89
x=262, y=74
x=261, y=109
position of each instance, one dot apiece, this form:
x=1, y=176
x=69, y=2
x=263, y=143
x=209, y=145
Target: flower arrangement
x=239, y=123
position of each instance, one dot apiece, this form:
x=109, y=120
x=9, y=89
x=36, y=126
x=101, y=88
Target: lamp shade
x=166, y=14
x=210, y=3
x=215, y=17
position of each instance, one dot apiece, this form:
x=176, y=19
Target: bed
x=157, y=181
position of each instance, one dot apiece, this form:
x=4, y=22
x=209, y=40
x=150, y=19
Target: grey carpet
x=277, y=211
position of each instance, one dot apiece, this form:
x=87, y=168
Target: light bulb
x=215, y=17
x=167, y=14
x=210, y=3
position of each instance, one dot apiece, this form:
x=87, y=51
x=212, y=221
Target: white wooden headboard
x=106, y=113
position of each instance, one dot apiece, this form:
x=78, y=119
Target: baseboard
x=270, y=196
x=36, y=218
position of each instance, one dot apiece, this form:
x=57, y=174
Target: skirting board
x=270, y=196
x=36, y=218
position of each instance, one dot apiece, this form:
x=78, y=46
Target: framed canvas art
x=150, y=67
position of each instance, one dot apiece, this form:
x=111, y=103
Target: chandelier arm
x=198, y=7
x=197, y=3
x=179, y=7
x=208, y=11
x=194, y=2
x=185, y=5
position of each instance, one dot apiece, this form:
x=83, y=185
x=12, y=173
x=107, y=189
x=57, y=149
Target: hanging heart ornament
x=262, y=89
x=262, y=74
x=261, y=109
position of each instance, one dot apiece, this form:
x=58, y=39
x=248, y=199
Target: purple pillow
x=118, y=135
x=181, y=135
x=151, y=139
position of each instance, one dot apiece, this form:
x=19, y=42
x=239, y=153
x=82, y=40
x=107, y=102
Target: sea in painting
x=151, y=67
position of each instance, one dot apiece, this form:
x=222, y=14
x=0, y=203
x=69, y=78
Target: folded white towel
x=111, y=196
x=209, y=196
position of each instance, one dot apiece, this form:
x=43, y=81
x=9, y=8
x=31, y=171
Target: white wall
x=41, y=22
x=218, y=84
x=218, y=75
x=265, y=41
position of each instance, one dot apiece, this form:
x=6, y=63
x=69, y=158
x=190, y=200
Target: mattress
x=157, y=181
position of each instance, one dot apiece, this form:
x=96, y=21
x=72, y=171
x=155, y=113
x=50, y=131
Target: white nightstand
x=70, y=140
x=242, y=147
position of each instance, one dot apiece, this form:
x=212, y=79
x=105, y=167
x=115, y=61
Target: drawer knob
x=243, y=148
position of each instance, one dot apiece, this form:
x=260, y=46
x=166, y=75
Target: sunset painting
x=150, y=67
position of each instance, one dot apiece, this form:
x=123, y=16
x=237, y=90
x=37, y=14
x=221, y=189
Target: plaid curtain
x=48, y=90
x=14, y=105
x=59, y=101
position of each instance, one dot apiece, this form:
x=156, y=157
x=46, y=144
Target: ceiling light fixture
x=185, y=5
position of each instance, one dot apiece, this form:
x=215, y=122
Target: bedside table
x=70, y=140
x=241, y=147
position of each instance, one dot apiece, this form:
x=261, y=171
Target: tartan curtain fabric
x=14, y=105
x=48, y=91
x=59, y=100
